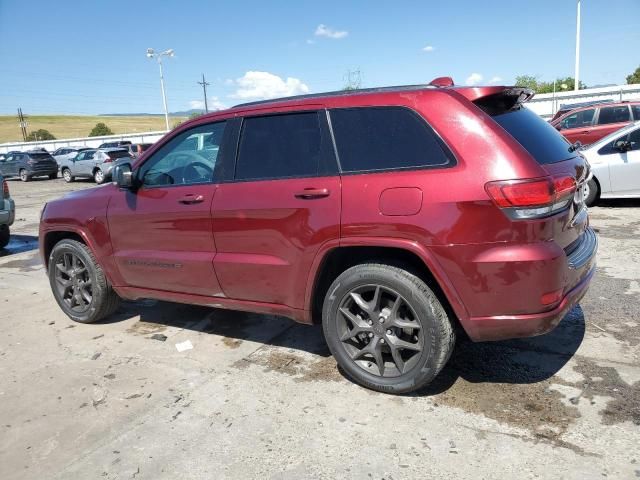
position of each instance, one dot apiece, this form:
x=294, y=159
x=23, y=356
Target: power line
x=204, y=84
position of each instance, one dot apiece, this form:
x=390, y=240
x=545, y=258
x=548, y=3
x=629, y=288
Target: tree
x=532, y=82
x=40, y=134
x=634, y=77
x=99, y=130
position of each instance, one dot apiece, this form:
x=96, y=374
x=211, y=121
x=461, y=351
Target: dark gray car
x=26, y=165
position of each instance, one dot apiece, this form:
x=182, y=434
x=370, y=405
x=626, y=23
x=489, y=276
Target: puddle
x=303, y=367
x=18, y=244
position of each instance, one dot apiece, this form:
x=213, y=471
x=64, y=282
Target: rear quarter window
x=537, y=136
x=386, y=138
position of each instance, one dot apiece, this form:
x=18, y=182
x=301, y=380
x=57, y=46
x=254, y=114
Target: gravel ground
x=260, y=397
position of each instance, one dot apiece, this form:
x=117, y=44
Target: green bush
x=99, y=130
x=40, y=134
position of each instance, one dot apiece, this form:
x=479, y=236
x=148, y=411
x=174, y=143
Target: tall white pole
x=577, y=75
x=164, y=96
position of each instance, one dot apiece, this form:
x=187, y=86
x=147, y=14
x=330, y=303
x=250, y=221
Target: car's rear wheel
x=24, y=176
x=79, y=284
x=98, y=176
x=66, y=174
x=53, y=176
x=5, y=235
x=386, y=328
x=592, y=193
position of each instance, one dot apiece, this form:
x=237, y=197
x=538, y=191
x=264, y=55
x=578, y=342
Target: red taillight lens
x=108, y=160
x=5, y=189
x=534, y=198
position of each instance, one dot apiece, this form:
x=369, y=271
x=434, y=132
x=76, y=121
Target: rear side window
x=537, y=136
x=636, y=111
x=613, y=115
x=279, y=146
x=579, y=119
x=385, y=138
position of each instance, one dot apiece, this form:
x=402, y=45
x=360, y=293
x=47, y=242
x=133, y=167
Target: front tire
x=98, y=176
x=24, y=176
x=66, y=174
x=593, y=193
x=386, y=328
x=5, y=235
x=79, y=284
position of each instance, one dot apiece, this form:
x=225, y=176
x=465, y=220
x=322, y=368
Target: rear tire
x=24, y=176
x=593, y=193
x=98, y=176
x=5, y=235
x=66, y=174
x=375, y=314
x=79, y=284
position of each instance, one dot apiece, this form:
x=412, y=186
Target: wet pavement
x=260, y=396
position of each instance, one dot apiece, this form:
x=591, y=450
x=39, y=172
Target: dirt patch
x=294, y=364
x=145, y=328
x=606, y=382
x=232, y=343
x=30, y=264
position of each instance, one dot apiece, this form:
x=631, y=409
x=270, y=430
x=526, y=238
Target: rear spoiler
x=496, y=100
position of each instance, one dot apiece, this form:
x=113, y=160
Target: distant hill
x=185, y=113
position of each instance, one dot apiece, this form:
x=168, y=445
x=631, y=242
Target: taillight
x=108, y=160
x=5, y=189
x=532, y=198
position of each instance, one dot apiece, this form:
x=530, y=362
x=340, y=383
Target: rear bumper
x=42, y=171
x=481, y=329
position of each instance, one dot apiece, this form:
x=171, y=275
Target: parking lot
x=260, y=397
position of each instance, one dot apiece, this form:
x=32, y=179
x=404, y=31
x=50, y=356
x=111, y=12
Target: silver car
x=67, y=153
x=92, y=163
x=7, y=213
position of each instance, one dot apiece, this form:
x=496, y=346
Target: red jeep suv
x=392, y=216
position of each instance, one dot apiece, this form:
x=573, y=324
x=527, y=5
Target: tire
x=66, y=174
x=53, y=176
x=24, y=176
x=418, y=307
x=70, y=289
x=98, y=176
x=5, y=235
x=593, y=193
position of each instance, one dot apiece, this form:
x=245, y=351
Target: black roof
x=338, y=93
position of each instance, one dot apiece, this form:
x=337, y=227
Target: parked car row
x=71, y=162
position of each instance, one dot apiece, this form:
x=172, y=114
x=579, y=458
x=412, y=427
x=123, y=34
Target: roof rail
x=338, y=93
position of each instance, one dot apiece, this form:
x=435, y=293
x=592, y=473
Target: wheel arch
x=51, y=238
x=334, y=259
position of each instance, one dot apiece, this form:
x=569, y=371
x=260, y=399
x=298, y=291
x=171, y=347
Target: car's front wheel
x=98, y=176
x=79, y=284
x=24, y=176
x=386, y=328
x=66, y=174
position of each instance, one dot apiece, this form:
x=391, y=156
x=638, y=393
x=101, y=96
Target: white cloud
x=264, y=85
x=310, y=41
x=429, y=48
x=213, y=103
x=495, y=79
x=473, y=79
x=324, y=31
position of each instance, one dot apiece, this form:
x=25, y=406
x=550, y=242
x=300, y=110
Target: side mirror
x=123, y=176
x=622, y=146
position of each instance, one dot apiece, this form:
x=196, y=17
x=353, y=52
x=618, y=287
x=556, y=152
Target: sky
x=88, y=57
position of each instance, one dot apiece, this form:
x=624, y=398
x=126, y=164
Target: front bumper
x=7, y=212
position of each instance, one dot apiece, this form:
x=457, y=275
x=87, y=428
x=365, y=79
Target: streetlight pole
x=577, y=74
x=158, y=56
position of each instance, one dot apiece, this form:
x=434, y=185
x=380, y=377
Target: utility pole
x=23, y=124
x=204, y=84
x=577, y=74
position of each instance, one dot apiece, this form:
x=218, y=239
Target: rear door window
x=280, y=146
x=580, y=119
x=614, y=115
x=636, y=111
x=537, y=136
x=386, y=138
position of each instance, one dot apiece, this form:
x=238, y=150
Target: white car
x=615, y=163
x=67, y=153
